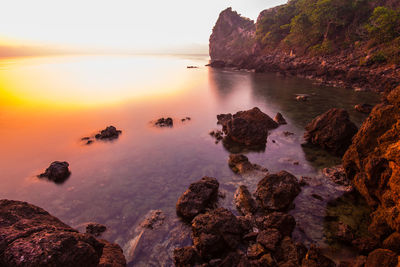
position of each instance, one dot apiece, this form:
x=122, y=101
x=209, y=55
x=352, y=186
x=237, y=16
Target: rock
x=95, y=229
x=57, y=171
x=381, y=257
x=216, y=232
x=30, y=236
x=112, y=256
x=269, y=239
x=154, y=219
x=302, y=97
x=290, y=253
x=218, y=64
x=337, y=175
x=192, y=67
x=279, y=119
x=247, y=127
x=197, y=198
x=314, y=257
x=276, y=192
x=239, y=163
x=392, y=242
x=283, y=222
x=332, y=131
x=185, y=257
x=164, y=122
x=372, y=163
x=363, y=108
x=255, y=251
x=109, y=133
x=244, y=202
x=365, y=244
x=344, y=233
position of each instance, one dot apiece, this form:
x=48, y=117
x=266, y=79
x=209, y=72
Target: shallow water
x=48, y=104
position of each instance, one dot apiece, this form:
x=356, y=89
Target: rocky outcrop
x=331, y=131
x=363, y=108
x=95, y=229
x=232, y=39
x=108, y=133
x=239, y=163
x=244, y=202
x=57, y=172
x=279, y=119
x=372, y=162
x=164, y=122
x=30, y=236
x=197, y=198
x=249, y=127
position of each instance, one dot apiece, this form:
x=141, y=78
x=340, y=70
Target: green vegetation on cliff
x=325, y=26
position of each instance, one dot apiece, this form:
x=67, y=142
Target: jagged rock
x=154, y=219
x=364, y=108
x=244, y=202
x=164, y=122
x=276, y=192
x=269, y=238
x=95, y=229
x=197, y=198
x=372, y=163
x=112, y=256
x=247, y=127
x=216, y=232
x=30, y=236
x=315, y=258
x=57, y=171
x=283, y=222
x=108, y=133
x=279, y=119
x=381, y=257
x=290, y=253
x=336, y=174
x=185, y=257
x=331, y=131
x=392, y=242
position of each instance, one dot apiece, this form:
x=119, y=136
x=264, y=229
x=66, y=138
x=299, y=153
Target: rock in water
x=165, y=122
x=199, y=196
x=108, y=133
x=239, y=163
x=244, y=202
x=337, y=175
x=276, y=192
x=279, y=119
x=247, y=127
x=95, y=229
x=331, y=131
x=30, y=236
x=57, y=171
x=363, y=108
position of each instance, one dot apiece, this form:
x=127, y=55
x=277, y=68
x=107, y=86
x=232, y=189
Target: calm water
x=48, y=104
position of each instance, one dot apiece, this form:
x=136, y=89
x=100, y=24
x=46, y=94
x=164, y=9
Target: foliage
x=384, y=24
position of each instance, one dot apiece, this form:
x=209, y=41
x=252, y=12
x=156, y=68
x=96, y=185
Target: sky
x=132, y=25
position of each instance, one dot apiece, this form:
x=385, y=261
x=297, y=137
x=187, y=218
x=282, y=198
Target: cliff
x=341, y=43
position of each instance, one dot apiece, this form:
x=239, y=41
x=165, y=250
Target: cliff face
x=373, y=163
x=232, y=39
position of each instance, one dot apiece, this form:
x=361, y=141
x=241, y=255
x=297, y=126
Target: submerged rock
x=239, y=163
x=95, y=229
x=337, y=175
x=364, y=108
x=108, y=133
x=244, y=202
x=58, y=171
x=164, y=122
x=30, y=236
x=247, y=127
x=198, y=197
x=276, y=192
x=331, y=131
x=279, y=119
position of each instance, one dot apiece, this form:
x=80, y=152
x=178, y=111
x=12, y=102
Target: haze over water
x=48, y=104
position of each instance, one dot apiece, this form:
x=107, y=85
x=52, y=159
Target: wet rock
x=218, y=64
x=247, y=127
x=344, y=233
x=279, y=119
x=283, y=222
x=217, y=134
x=112, y=256
x=154, y=219
x=255, y=251
x=314, y=257
x=216, y=232
x=244, y=202
x=337, y=175
x=304, y=180
x=290, y=253
x=365, y=244
x=239, y=163
x=57, y=171
x=108, y=133
x=95, y=229
x=332, y=131
x=276, y=192
x=185, y=257
x=381, y=257
x=302, y=97
x=392, y=242
x=197, y=198
x=192, y=67
x=269, y=239
x=30, y=236
x=164, y=122
x=363, y=108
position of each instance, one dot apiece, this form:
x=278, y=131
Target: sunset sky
x=126, y=25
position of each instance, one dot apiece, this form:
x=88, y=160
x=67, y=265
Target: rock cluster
x=108, y=133
x=30, y=236
x=332, y=131
x=247, y=127
x=57, y=172
x=164, y=122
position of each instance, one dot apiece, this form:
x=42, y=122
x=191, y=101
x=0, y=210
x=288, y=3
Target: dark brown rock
x=365, y=244
x=381, y=257
x=363, y=108
x=283, y=222
x=58, y=171
x=332, y=131
x=276, y=192
x=392, y=242
x=185, y=257
x=108, y=133
x=197, y=198
x=239, y=163
x=315, y=258
x=247, y=127
x=269, y=238
x=112, y=256
x=279, y=119
x=164, y=122
x=336, y=174
x=244, y=202
x=290, y=253
x=30, y=236
x=95, y=229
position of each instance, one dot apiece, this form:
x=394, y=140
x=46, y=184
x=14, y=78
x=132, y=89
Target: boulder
x=247, y=127
x=337, y=175
x=332, y=131
x=276, y=192
x=30, y=236
x=185, y=257
x=164, y=122
x=269, y=239
x=381, y=257
x=58, y=172
x=364, y=108
x=197, y=198
x=392, y=242
x=279, y=119
x=290, y=253
x=95, y=229
x=283, y=222
x=244, y=202
x=108, y=133
x=239, y=163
